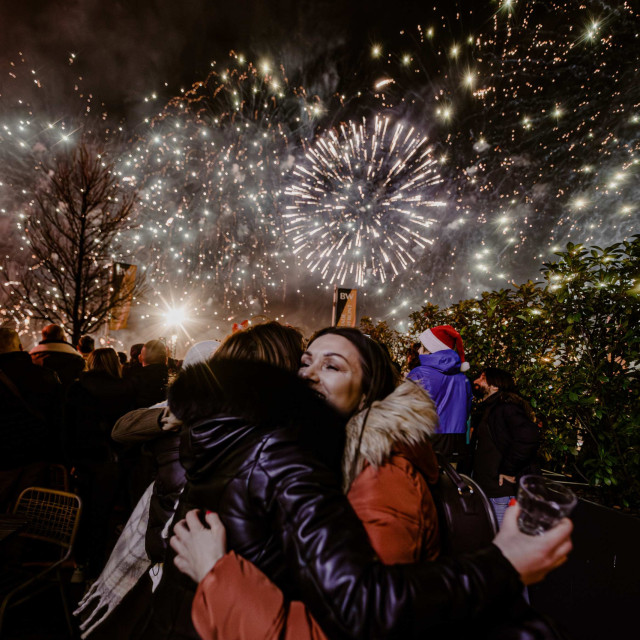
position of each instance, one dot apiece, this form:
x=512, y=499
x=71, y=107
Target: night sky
x=530, y=112
x=125, y=50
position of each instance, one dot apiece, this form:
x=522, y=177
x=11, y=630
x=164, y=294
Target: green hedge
x=572, y=342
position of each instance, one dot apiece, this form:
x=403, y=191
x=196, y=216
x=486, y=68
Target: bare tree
x=77, y=212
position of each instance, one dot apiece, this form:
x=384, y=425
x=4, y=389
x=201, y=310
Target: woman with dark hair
x=505, y=438
x=412, y=356
x=387, y=466
x=94, y=402
x=263, y=449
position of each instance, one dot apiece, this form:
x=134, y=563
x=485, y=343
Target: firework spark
x=210, y=173
x=359, y=202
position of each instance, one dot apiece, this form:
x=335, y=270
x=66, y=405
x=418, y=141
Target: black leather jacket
x=275, y=485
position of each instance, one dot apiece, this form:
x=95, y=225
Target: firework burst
x=210, y=173
x=358, y=206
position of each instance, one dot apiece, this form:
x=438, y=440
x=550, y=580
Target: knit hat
x=444, y=337
x=200, y=352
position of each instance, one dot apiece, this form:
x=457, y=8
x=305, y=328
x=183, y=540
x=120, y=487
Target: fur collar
x=405, y=418
x=58, y=347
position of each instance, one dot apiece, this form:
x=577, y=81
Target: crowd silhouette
x=270, y=482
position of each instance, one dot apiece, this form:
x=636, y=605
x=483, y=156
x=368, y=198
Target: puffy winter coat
x=60, y=357
x=267, y=465
x=439, y=374
x=395, y=463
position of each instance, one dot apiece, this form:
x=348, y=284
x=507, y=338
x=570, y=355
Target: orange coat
x=387, y=466
x=236, y=601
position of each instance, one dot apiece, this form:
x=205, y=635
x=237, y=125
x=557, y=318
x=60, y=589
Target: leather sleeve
x=347, y=591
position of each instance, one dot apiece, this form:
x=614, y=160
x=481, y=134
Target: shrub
x=571, y=341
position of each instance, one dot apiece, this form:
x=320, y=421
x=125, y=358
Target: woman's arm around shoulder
x=139, y=425
x=236, y=601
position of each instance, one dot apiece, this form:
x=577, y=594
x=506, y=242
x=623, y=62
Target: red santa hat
x=441, y=338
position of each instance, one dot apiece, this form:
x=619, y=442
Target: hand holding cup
x=543, y=504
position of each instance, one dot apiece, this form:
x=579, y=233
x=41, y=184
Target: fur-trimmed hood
x=403, y=421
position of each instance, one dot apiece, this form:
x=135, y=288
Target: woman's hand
x=533, y=556
x=198, y=547
x=168, y=422
x=502, y=478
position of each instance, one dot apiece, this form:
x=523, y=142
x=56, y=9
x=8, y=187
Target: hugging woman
x=263, y=450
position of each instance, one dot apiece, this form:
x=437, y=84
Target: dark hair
x=197, y=393
x=379, y=376
x=86, y=344
x=122, y=356
x=500, y=378
x=135, y=350
x=270, y=342
x=413, y=357
x=105, y=360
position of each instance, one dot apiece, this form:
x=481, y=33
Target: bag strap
x=354, y=464
x=453, y=475
x=16, y=392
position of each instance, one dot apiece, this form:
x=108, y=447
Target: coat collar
x=507, y=397
x=58, y=347
x=403, y=422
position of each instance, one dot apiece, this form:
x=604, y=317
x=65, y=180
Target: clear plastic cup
x=542, y=504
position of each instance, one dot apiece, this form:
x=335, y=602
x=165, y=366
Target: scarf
x=126, y=565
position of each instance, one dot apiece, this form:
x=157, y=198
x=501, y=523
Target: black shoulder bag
x=466, y=518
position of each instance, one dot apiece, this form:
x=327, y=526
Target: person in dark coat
x=159, y=433
x=94, y=403
x=134, y=363
x=263, y=450
x=505, y=437
x=161, y=439
x=85, y=347
x=150, y=381
x=30, y=423
x=55, y=353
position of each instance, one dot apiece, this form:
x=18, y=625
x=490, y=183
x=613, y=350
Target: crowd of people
x=273, y=487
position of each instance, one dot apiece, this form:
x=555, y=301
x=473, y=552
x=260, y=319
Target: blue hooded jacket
x=439, y=374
